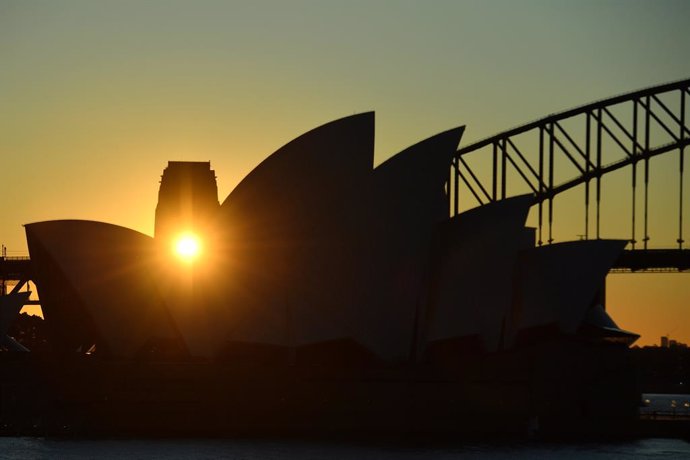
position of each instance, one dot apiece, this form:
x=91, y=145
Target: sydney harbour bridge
x=574, y=153
x=568, y=157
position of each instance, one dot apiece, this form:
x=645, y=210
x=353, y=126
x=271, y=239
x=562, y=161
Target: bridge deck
x=15, y=268
x=630, y=261
x=653, y=261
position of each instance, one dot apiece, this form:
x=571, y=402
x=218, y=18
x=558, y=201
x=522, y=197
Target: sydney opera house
x=322, y=294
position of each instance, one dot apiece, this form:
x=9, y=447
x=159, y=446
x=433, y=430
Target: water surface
x=39, y=448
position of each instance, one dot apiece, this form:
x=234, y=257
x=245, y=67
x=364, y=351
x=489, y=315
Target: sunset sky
x=97, y=96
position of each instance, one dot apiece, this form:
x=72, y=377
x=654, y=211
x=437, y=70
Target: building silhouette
x=317, y=260
x=187, y=198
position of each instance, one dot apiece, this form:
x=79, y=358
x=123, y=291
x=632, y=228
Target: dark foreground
x=565, y=389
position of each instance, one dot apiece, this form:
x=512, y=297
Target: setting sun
x=187, y=246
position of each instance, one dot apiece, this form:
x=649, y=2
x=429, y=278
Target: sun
x=187, y=247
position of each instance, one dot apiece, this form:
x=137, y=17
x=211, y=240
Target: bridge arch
x=578, y=147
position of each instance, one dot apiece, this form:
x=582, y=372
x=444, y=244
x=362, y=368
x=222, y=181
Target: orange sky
x=96, y=97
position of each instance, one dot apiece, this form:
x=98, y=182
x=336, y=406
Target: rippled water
x=38, y=448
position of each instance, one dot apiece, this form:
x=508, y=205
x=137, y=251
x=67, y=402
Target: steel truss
x=630, y=128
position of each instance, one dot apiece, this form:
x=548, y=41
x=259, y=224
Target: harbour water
x=39, y=448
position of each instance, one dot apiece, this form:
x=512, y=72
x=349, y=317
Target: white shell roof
x=475, y=270
x=111, y=270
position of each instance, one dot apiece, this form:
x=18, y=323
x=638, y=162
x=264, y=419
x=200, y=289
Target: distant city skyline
x=96, y=98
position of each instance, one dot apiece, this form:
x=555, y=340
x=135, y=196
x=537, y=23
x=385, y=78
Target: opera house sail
x=325, y=288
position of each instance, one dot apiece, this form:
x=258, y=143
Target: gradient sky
x=97, y=96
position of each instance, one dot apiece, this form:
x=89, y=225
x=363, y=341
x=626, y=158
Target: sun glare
x=188, y=247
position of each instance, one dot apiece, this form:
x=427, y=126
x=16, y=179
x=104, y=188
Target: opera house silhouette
x=328, y=294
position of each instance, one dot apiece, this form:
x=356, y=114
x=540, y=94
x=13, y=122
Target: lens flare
x=188, y=247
